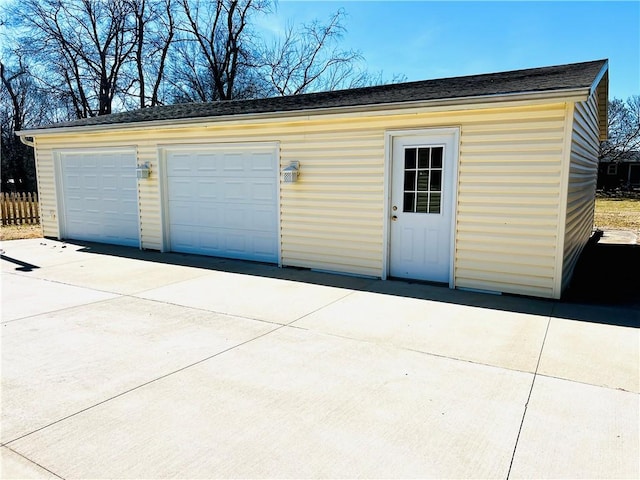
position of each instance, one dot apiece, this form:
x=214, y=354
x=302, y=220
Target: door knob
x=394, y=218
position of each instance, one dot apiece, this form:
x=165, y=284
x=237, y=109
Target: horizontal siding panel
x=491, y=198
x=350, y=177
x=336, y=154
x=506, y=286
x=338, y=260
x=515, y=236
x=480, y=219
x=508, y=199
x=325, y=203
x=544, y=166
x=509, y=282
x=547, y=123
x=512, y=157
x=525, y=255
x=505, y=260
x=340, y=165
x=507, y=266
x=514, y=192
x=317, y=222
x=334, y=245
x=533, y=135
x=46, y=191
x=510, y=178
x=533, y=149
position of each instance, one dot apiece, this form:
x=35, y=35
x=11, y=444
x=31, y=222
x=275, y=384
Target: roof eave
x=600, y=87
x=574, y=94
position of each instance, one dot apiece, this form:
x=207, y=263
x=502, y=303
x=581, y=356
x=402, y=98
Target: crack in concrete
x=526, y=405
x=33, y=461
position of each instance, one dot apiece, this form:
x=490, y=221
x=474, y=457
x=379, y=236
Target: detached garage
x=483, y=182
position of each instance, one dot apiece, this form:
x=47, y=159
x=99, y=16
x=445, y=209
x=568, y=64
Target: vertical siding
x=583, y=172
x=333, y=217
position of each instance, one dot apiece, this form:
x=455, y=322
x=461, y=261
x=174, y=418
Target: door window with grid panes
x=423, y=179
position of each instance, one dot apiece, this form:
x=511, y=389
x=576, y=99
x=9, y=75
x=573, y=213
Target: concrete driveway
x=118, y=363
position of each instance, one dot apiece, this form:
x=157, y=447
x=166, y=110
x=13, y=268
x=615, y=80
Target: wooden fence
x=19, y=208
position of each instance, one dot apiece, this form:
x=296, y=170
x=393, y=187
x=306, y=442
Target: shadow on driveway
x=605, y=288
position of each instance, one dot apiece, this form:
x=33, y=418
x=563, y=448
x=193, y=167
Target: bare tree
x=155, y=25
x=20, y=104
x=189, y=75
x=93, y=57
x=623, y=128
x=309, y=58
x=220, y=29
x=82, y=47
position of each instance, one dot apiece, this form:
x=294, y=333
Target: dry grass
x=617, y=214
x=17, y=232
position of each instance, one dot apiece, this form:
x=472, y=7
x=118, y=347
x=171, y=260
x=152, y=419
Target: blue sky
x=424, y=40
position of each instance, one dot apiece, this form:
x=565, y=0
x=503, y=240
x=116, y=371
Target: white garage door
x=99, y=196
x=222, y=201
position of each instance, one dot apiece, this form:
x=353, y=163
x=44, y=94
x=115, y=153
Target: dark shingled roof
x=534, y=80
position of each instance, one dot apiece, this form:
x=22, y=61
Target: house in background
x=623, y=172
x=484, y=182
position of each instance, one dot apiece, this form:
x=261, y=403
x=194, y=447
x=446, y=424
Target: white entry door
x=99, y=196
x=223, y=200
x=422, y=205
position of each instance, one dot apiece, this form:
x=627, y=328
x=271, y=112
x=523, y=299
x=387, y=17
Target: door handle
x=394, y=218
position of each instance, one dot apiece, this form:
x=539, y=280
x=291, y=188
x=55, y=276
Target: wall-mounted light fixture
x=290, y=174
x=143, y=170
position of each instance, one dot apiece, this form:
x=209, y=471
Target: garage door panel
x=100, y=197
x=236, y=242
x=209, y=242
x=183, y=213
x=111, y=207
x=223, y=201
x=182, y=190
x=207, y=190
x=225, y=242
x=206, y=163
x=237, y=217
x=195, y=215
x=90, y=181
x=182, y=240
x=262, y=218
x=262, y=191
x=86, y=162
x=261, y=163
x=178, y=166
x=234, y=191
x=210, y=216
x=110, y=182
x=233, y=163
x=91, y=206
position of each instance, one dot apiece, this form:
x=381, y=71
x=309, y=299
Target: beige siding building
x=483, y=182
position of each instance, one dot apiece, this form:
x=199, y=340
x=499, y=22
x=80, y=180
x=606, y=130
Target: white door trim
x=453, y=194
x=59, y=182
x=164, y=181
